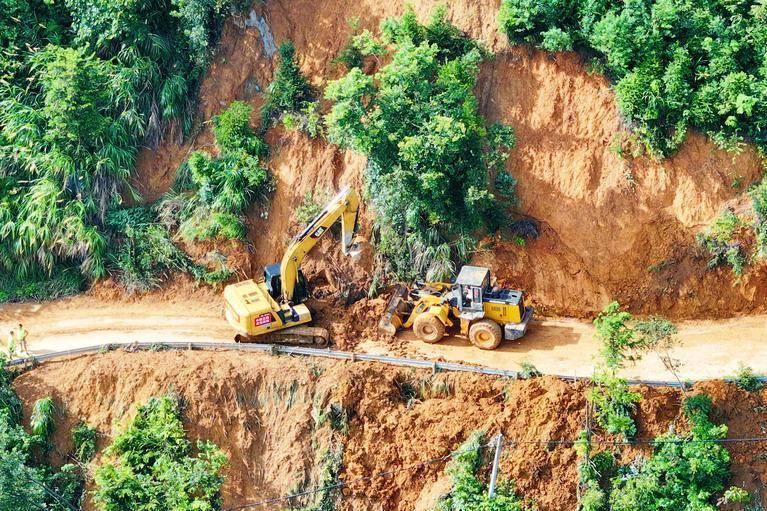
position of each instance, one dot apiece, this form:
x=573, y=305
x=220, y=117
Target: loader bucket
x=393, y=316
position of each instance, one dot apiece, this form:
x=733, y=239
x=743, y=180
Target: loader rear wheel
x=428, y=328
x=485, y=334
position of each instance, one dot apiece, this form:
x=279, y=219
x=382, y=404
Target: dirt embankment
x=612, y=227
x=259, y=409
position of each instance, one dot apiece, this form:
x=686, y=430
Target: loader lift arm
x=344, y=206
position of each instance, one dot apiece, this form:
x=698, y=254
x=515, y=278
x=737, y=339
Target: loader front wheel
x=485, y=334
x=428, y=328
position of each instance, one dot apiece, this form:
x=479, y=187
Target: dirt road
x=708, y=349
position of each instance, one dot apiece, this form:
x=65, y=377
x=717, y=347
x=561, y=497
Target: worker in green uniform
x=21, y=338
x=11, y=344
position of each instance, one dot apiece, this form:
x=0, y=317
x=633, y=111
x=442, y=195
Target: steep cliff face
x=612, y=226
x=263, y=412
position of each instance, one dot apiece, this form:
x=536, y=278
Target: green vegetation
x=659, y=334
x=676, y=64
x=289, y=93
x=360, y=45
x=528, y=370
x=685, y=471
x=611, y=398
x=747, y=379
x=759, y=201
x=40, y=286
x=151, y=465
x=311, y=206
x=331, y=461
x=720, y=242
x=84, y=441
x=27, y=482
x=469, y=492
x=41, y=420
x=728, y=239
x=431, y=158
x=142, y=249
x=82, y=85
x=413, y=387
x=214, y=191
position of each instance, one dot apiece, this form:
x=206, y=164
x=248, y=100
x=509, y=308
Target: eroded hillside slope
x=263, y=412
x=612, y=226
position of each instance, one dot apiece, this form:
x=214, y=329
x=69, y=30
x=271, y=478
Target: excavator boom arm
x=343, y=206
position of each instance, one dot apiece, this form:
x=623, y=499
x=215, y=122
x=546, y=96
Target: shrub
x=555, y=39
x=359, y=46
x=611, y=398
x=151, y=466
x=429, y=151
x=215, y=191
x=468, y=491
x=289, y=91
x=311, y=206
x=675, y=65
x=232, y=131
x=719, y=241
x=746, y=379
x=41, y=420
x=39, y=286
x=684, y=472
x=27, y=483
x=619, y=340
x=759, y=200
x=613, y=404
x=528, y=370
x=84, y=442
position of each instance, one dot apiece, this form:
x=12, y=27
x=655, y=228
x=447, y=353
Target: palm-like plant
x=41, y=421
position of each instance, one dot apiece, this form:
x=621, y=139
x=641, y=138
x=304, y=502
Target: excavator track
x=312, y=336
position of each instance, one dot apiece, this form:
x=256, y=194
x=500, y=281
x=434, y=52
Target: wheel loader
x=486, y=314
x=271, y=309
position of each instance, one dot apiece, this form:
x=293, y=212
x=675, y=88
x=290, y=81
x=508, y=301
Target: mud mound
x=263, y=410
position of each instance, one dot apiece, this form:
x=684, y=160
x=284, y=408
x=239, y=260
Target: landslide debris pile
x=290, y=424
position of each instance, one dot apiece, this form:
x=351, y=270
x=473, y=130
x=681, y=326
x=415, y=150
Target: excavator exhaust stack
x=392, y=318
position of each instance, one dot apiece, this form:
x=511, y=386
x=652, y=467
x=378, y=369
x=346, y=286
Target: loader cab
x=471, y=284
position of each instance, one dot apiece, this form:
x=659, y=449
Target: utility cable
x=342, y=484
x=506, y=442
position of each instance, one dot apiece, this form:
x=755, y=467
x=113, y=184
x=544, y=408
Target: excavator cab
x=273, y=281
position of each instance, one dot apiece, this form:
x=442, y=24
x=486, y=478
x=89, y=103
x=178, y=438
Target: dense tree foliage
x=151, y=466
x=430, y=154
x=82, y=84
x=676, y=63
x=27, y=482
x=686, y=471
x=211, y=202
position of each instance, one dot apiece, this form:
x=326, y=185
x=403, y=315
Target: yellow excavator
x=486, y=314
x=271, y=310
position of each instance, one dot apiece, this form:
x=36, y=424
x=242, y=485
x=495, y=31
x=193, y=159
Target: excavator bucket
x=393, y=316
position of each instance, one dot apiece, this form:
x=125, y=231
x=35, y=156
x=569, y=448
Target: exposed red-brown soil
x=611, y=227
x=259, y=409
